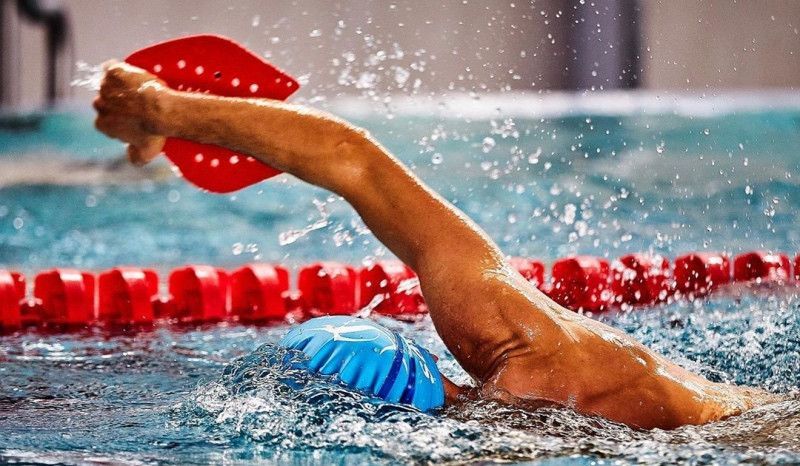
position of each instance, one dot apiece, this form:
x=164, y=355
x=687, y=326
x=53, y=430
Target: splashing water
x=87, y=76
x=261, y=399
x=290, y=236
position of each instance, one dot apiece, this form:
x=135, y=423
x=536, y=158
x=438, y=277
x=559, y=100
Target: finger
x=114, y=75
x=135, y=156
x=140, y=155
x=99, y=105
x=151, y=147
x=118, y=127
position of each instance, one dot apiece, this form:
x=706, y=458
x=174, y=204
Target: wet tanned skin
x=519, y=346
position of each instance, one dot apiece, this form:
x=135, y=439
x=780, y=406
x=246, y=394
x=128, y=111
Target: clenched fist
x=127, y=109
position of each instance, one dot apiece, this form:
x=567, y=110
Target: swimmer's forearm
x=309, y=144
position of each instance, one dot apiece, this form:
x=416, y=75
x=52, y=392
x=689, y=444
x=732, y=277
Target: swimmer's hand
x=127, y=109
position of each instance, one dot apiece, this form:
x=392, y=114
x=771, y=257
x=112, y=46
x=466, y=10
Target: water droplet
x=401, y=76
x=569, y=214
x=488, y=144
x=533, y=159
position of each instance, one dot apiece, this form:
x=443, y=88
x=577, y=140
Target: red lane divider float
x=256, y=293
x=259, y=293
x=797, y=268
x=126, y=296
x=19, y=284
x=329, y=288
x=582, y=283
x=701, y=272
x=391, y=288
x=65, y=298
x=12, y=292
x=641, y=279
x=199, y=293
x=761, y=266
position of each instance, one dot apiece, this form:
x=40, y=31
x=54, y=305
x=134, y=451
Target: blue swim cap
x=370, y=358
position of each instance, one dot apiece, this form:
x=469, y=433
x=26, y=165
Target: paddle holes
x=181, y=64
x=217, y=74
x=215, y=163
x=233, y=160
x=157, y=68
x=198, y=158
x=254, y=88
x=199, y=70
x=235, y=82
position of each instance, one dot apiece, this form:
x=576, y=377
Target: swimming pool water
x=597, y=181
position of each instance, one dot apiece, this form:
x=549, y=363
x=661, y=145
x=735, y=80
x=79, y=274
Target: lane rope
x=130, y=297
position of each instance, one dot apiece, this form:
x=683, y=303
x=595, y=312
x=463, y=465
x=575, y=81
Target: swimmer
x=519, y=346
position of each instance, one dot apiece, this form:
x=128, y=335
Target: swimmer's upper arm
x=489, y=316
x=416, y=223
x=464, y=276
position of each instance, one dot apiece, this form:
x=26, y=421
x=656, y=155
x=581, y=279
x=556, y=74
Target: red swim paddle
x=219, y=66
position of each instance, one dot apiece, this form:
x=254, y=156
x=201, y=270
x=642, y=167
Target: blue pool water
x=545, y=176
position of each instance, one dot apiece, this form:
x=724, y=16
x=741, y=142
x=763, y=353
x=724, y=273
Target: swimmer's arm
x=477, y=303
x=482, y=309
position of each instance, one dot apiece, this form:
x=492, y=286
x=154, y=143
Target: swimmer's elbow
x=357, y=156
x=353, y=144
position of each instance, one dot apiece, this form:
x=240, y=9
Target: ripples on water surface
x=595, y=184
